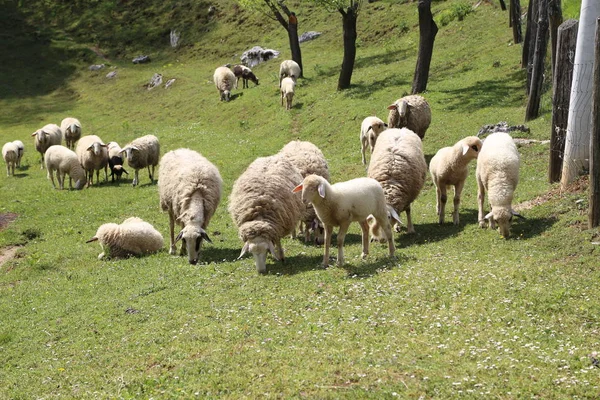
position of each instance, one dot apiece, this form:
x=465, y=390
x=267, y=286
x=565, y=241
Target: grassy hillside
x=461, y=312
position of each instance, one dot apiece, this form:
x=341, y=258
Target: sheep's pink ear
x=272, y=250
x=321, y=190
x=297, y=188
x=92, y=239
x=392, y=107
x=179, y=235
x=244, y=250
x=465, y=149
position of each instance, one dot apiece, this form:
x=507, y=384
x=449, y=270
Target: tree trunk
x=427, y=32
x=537, y=71
x=530, y=37
x=594, y=210
x=515, y=20
x=349, y=23
x=555, y=19
x=294, y=43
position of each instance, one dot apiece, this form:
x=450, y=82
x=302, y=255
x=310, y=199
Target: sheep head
x=96, y=148
x=471, y=146
x=129, y=152
x=192, y=237
x=313, y=188
x=503, y=217
x=376, y=232
x=259, y=246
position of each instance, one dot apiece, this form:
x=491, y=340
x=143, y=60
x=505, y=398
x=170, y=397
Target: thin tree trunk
x=532, y=24
x=349, y=23
x=537, y=71
x=594, y=210
x=515, y=20
x=291, y=26
x=555, y=19
x=427, y=32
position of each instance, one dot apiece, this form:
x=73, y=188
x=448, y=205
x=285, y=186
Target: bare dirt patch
x=579, y=186
x=7, y=218
x=7, y=254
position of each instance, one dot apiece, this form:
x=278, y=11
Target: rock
x=256, y=55
x=111, y=74
x=306, y=36
x=96, y=67
x=169, y=83
x=174, y=37
x=501, y=126
x=141, y=60
x=155, y=81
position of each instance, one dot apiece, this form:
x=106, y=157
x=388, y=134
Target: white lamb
x=289, y=68
x=134, y=237
x=498, y=174
x=10, y=154
x=141, y=153
x=190, y=189
x=345, y=202
x=264, y=208
x=21, y=150
x=370, y=129
x=287, y=92
x=224, y=81
x=93, y=156
x=449, y=167
x=45, y=137
x=412, y=112
x=64, y=161
x=71, y=130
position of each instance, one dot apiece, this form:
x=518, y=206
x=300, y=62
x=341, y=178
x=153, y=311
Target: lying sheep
x=71, y=130
x=224, y=81
x=287, y=92
x=45, y=137
x=189, y=188
x=21, y=150
x=10, y=154
x=412, y=112
x=241, y=71
x=498, y=174
x=264, y=208
x=93, y=156
x=345, y=202
x=399, y=165
x=289, y=68
x=115, y=161
x=370, y=129
x=449, y=167
x=134, y=237
x=64, y=161
x=141, y=153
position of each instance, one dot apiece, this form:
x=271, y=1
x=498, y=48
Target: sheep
x=412, y=112
x=115, y=161
x=45, y=137
x=189, y=188
x=289, y=68
x=399, y=165
x=93, y=156
x=21, y=150
x=449, y=167
x=287, y=92
x=64, y=161
x=71, y=130
x=308, y=159
x=370, y=129
x=264, y=208
x=241, y=71
x=224, y=81
x=498, y=173
x=10, y=154
x=133, y=237
x=345, y=202
x=142, y=152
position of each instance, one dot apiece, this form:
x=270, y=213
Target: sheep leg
x=61, y=179
x=363, y=150
x=340, y=242
x=135, y=178
x=409, y=225
x=173, y=248
x=442, y=197
x=328, y=233
x=280, y=250
x=50, y=175
x=97, y=176
x=106, y=173
x=282, y=95
x=364, y=226
x=457, y=191
x=480, y=198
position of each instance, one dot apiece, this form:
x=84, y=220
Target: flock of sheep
x=277, y=194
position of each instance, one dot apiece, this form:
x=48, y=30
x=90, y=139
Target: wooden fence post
x=537, y=66
x=594, y=209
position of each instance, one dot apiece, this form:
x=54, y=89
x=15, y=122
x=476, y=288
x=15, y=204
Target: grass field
x=461, y=312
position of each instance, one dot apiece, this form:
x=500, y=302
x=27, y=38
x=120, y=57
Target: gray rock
x=111, y=74
x=256, y=55
x=155, y=81
x=96, y=67
x=169, y=83
x=306, y=36
x=141, y=59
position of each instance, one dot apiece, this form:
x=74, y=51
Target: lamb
x=449, y=167
x=287, y=92
x=412, y=112
x=64, y=161
x=21, y=150
x=224, y=81
x=133, y=237
x=141, y=153
x=10, y=154
x=71, y=130
x=93, y=156
x=399, y=165
x=190, y=190
x=344, y=202
x=498, y=173
x=289, y=68
x=308, y=159
x=241, y=71
x=115, y=161
x=264, y=208
x=45, y=137
x=370, y=129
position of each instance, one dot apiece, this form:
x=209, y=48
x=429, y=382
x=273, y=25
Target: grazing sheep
x=93, y=156
x=241, y=71
x=224, y=81
x=71, y=130
x=412, y=112
x=141, y=153
x=45, y=137
x=115, y=161
x=449, y=167
x=287, y=92
x=370, y=129
x=21, y=150
x=498, y=174
x=344, y=202
x=134, y=237
x=189, y=188
x=264, y=208
x=64, y=161
x=10, y=154
x=289, y=68
x=308, y=159
x=399, y=165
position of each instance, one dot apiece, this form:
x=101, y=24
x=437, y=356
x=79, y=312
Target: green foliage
x=458, y=10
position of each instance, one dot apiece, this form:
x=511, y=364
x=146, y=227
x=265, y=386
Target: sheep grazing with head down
x=412, y=112
x=21, y=150
x=115, y=161
x=370, y=129
x=93, y=156
x=224, y=81
x=133, y=237
x=10, y=153
x=64, y=161
x=189, y=188
x=246, y=74
x=264, y=208
x=45, y=137
x=143, y=152
x=290, y=69
x=287, y=92
x=449, y=167
x=71, y=130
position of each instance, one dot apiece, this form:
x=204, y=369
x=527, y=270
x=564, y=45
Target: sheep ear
x=95, y=238
x=272, y=250
x=321, y=190
x=488, y=215
x=369, y=128
x=392, y=107
x=297, y=189
x=34, y=133
x=90, y=147
x=465, y=149
x=125, y=171
x=385, y=125
x=179, y=236
x=244, y=250
x=204, y=236
x=134, y=148
x=394, y=214
x=516, y=214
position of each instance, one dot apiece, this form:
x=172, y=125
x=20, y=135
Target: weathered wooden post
x=537, y=68
x=555, y=18
x=594, y=210
x=515, y=20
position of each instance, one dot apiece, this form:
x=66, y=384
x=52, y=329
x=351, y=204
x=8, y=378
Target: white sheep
x=264, y=208
x=399, y=165
x=93, y=156
x=115, y=160
x=497, y=173
x=141, y=153
x=21, y=150
x=64, y=161
x=287, y=92
x=412, y=112
x=345, y=202
x=189, y=188
x=133, y=237
x=10, y=154
x=224, y=81
x=370, y=129
x=449, y=167
x=289, y=68
x=71, y=130
x=45, y=137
